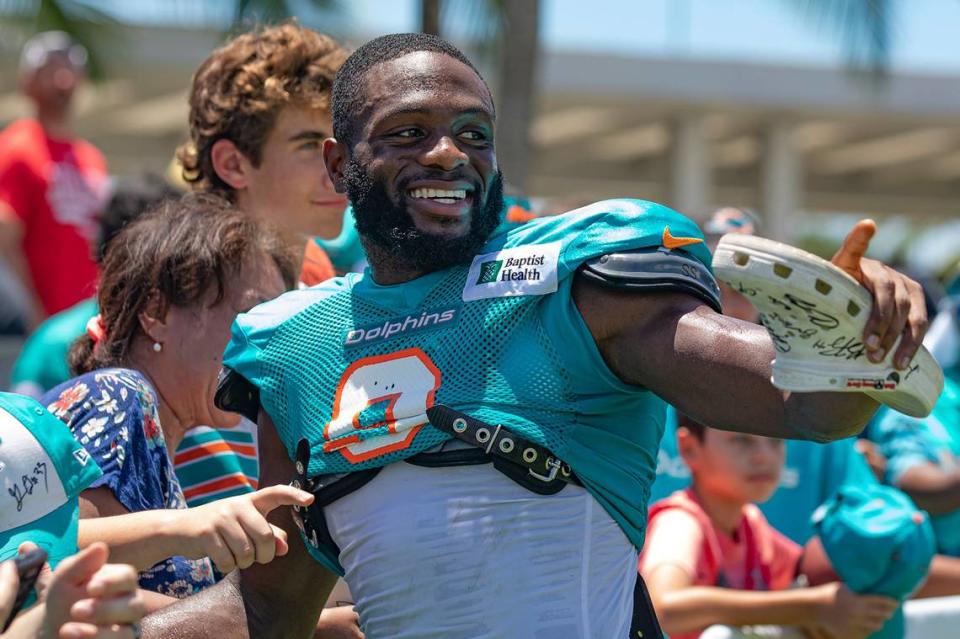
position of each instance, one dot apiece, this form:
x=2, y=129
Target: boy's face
x=734, y=466
x=291, y=186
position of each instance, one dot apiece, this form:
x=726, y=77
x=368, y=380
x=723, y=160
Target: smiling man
x=481, y=458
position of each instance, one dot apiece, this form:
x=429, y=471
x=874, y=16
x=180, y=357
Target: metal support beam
x=691, y=175
x=781, y=175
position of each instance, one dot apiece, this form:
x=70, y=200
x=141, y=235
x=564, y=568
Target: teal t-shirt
x=42, y=363
x=908, y=442
x=345, y=251
x=351, y=366
x=812, y=473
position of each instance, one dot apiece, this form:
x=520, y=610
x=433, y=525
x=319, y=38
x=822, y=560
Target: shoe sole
x=815, y=314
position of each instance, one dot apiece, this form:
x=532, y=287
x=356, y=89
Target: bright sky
x=925, y=31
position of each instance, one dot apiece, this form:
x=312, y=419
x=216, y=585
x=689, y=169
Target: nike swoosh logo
x=672, y=242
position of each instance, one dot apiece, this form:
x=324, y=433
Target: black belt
x=531, y=465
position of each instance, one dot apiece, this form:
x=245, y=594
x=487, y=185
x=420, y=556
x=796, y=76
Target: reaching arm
x=717, y=369
x=714, y=368
x=281, y=599
x=933, y=489
x=232, y=532
x=831, y=607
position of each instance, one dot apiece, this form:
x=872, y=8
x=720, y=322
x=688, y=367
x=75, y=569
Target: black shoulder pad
x=658, y=269
x=237, y=394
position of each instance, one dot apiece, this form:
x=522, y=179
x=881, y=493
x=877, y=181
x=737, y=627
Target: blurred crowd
x=125, y=488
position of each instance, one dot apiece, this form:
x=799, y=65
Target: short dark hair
x=348, y=86
x=696, y=429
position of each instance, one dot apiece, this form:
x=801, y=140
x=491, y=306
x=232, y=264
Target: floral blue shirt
x=113, y=413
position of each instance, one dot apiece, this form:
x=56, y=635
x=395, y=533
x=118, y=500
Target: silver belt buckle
x=553, y=464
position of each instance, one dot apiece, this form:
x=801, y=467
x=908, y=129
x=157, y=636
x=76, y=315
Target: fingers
x=877, y=280
x=44, y=578
x=125, y=609
x=282, y=544
x=260, y=533
x=9, y=582
x=268, y=499
x=237, y=541
x=899, y=310
x=113, y=579
x=220, y=554
x=77, y=569
x=854, y=247
x=916, y=326
x=879, y=603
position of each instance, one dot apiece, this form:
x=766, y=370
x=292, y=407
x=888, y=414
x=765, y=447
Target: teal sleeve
x=241, y=354
x=345, y=250
x=903, y=441
x=607, y=227
x=323, y=556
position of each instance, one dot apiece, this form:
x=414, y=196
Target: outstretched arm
x=717, y=369
x=281, y=599
x=932, y=488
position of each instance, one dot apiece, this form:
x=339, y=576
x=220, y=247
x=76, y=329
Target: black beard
x=389, y=228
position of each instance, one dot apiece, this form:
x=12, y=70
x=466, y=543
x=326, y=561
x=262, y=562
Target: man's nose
x=445, y=154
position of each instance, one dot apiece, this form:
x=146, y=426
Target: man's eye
x=406, y=133
x=474, y=136
x=311, y=146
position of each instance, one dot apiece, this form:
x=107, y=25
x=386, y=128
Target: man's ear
x=230, y=164
x=335, y=156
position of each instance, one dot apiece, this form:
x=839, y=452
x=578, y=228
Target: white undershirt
x=466, y=552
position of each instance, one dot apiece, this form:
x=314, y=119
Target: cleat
x=815, y=315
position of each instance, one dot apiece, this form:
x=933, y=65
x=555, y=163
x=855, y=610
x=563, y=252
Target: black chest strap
x=529, y=464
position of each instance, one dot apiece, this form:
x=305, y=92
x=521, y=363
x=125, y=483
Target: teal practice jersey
x=351, y=366
x=907, y=442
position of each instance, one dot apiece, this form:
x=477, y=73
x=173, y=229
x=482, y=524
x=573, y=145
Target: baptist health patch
x=524, y=270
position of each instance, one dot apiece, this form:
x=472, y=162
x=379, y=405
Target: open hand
x=91, y=599
x=898, y=308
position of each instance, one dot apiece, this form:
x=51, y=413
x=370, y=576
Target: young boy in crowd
x=712, y=558
x=259, y=112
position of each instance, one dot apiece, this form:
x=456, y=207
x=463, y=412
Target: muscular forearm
x=140, y=539
x=287, y=609
x=695, y=608
x=215, y=613
x=933, y=489
x=712, y=358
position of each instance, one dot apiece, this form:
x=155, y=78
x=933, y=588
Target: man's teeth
x=440, y=195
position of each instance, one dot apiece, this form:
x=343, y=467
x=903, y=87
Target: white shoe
x=815, y=314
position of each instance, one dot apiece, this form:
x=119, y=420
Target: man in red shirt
x=52, y=184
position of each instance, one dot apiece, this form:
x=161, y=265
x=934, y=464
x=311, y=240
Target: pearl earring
x=157, y=347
